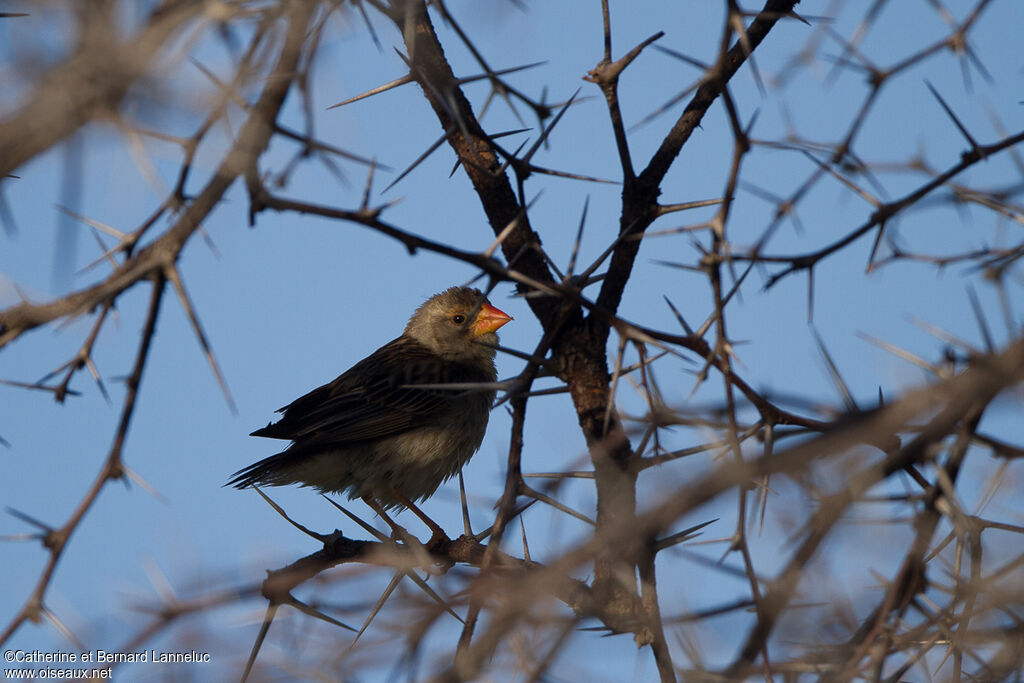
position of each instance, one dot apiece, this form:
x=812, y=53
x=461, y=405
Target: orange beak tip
x=489, y=319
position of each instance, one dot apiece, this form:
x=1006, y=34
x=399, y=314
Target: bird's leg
x=437, y=534
x=397, y=530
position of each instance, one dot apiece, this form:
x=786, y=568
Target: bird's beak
x=488, y=319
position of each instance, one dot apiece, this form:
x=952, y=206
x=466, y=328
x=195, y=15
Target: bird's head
x=459, y=323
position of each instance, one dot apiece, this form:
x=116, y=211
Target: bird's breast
x=416, y=462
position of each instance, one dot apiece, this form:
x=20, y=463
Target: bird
x=386, y=430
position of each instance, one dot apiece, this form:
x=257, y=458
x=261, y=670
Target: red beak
x=488, y=319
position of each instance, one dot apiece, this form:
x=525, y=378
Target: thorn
x=277, y=508
x=963, y=129
x=171, y=273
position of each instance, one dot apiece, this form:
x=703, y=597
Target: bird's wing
x=375, y=398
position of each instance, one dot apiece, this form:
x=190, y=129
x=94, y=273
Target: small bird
x=384, y=430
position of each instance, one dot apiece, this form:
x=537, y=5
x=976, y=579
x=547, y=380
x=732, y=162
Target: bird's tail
x=266, y=472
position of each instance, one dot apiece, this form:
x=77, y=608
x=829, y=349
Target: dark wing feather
x=373, y=400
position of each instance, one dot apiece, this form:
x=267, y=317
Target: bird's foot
x=398, y=532
x=437, y=548
x=437, y=535
x=431, y=555
x=438, y=541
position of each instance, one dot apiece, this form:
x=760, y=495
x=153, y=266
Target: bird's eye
x=459, y=319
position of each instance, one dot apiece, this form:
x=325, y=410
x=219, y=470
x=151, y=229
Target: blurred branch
x=241, y=159
x=151, y=263
x=56, y=540
x=88, y=86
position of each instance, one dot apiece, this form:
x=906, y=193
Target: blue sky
x=292, y=302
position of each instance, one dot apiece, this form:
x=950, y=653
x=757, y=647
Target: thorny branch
x=151, y=263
